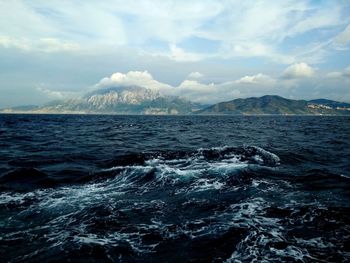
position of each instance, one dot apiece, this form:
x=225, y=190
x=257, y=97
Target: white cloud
x=194, y=85
x=195, y=75
x=347, y=72
x=298, y=70
x=337, y=74
x=178, y=54
x=317, y=18
x=193, y=89
x=259, y=78
x=47, y=45
x=249, y=29
x=64, y=20
x=258, y=28
x=250, y=49
x=206, y=93
x=334, y=74
x=55, y=45
x=189, y=88
x=137, y=78
x=343, y=38
x=221, y=38
x=255, y=49
x=8, y=42
x=51, y=94
x=197, y=91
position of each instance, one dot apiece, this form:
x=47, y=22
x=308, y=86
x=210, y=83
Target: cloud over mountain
x=298, y=70
x=259, y=78
x=293, y=79
x=133, y=78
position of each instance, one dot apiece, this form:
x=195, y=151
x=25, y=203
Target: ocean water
x=174, y=188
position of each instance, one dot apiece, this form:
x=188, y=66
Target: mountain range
x=139, y=100
x=115, y=100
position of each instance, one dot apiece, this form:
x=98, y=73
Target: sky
x=204, y=50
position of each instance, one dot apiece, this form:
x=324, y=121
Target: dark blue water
x=174, y=189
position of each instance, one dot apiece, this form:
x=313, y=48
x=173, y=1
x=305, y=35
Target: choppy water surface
x=174, y=189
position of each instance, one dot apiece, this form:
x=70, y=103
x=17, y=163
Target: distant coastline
x=141, y=101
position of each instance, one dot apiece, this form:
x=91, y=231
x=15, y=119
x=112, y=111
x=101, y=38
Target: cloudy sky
x=205, y=50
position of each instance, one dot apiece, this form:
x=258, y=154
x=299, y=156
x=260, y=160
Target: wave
x=244, y=154
x=162, y=167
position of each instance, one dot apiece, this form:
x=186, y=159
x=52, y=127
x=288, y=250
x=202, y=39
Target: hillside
x=276, y=105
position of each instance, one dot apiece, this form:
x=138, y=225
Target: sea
x=110, y=188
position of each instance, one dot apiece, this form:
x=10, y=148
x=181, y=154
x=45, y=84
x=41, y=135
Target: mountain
x=139, y=100
x=272, y=104
x=116, y=100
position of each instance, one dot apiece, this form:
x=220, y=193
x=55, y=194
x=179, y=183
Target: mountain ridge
x=140, y=100
x=277, y=105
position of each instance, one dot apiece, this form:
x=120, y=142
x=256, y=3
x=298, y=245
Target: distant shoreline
x=171, y=115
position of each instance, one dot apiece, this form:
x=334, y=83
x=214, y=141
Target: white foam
x=266, y=154
x=194, y=168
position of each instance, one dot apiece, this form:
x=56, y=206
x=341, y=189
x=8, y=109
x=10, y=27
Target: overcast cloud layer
x=205, y=50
